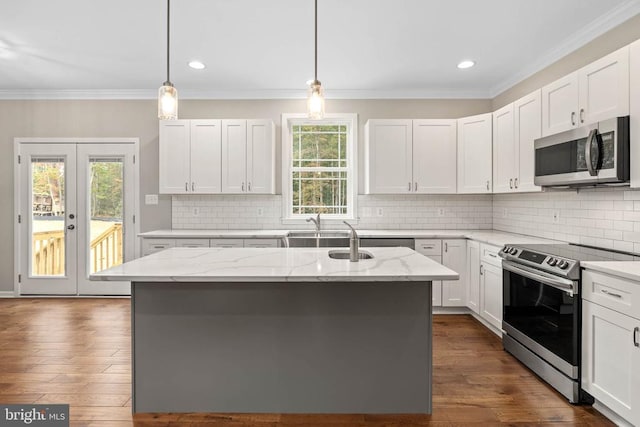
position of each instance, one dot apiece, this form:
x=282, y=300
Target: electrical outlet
x=150, y=199
x=260, y=212
x=379, y=212
x=556, y=216
x=440, y=211
x=505, y=213
x=195, y=211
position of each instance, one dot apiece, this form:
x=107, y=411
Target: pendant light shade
x=315, y=100
x=168, y=94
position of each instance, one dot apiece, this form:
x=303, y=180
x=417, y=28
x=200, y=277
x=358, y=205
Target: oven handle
x=553, y=281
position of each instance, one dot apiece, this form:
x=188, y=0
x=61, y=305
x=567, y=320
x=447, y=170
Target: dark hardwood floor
x=78, y=351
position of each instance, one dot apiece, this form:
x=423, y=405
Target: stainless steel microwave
x=588, y=155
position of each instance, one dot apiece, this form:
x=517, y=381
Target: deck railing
x=48, y=251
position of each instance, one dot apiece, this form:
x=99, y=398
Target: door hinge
x=19, y=219
x=19, y=278
x=19, y=159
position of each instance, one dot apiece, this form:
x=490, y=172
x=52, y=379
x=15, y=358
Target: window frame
x=294, y=119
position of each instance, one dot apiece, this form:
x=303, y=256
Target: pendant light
x=315, y=101
x=167, y=94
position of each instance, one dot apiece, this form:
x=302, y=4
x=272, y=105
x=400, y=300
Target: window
x=319, y=173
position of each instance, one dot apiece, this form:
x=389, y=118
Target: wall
x=604, y=217
x=398, y=212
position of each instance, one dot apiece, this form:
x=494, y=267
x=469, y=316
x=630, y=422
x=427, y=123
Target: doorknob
x=71, y=227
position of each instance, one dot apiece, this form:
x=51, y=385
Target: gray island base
x=281, y=331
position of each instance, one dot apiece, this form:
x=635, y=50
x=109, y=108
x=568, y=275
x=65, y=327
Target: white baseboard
x=7, y=294
x=450, y=310
x=615, y=418
x=489, y=326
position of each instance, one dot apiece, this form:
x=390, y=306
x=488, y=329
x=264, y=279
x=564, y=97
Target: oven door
x=542, y=312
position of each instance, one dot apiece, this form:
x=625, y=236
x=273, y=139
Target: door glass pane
x=106, y=200
x=47, y=217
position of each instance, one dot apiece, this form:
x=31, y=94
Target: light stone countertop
x=497, y=238
x=277, y=265
x=627, y=269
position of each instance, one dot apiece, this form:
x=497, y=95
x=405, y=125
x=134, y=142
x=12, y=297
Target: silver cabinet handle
x=428, y=246
x=487, y=185
x=446, y=247
x=573, y=118
x=481, y=269
x=511, y=183
x=515, y=182
x=582, y=115
x=606, y=292
x=635, y=336
x=249, y=186
x=409, y=186
x=186, y=186
x=492, y=255
x=193, y=186
x=415, y=186
x=242, y=185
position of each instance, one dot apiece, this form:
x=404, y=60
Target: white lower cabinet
x=490, y=301
x=473, y=276
x=261, y=243
x=611, y=343
x=151, y=246
x=454, y=256
x=432, y=248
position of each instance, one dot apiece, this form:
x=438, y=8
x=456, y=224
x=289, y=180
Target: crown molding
x=598, y=27
x=187, y=94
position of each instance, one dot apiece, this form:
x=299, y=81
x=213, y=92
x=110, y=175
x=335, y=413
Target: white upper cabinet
x=596, y=92
x=528, y=127
x=410, y=156
x=634, y=111
x=504, y=150
x=474, y=154
x=189, y=154
x=388, y=157
x=434, y=156
x=248, y=156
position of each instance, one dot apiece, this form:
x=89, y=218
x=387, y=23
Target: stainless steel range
x=541, y=316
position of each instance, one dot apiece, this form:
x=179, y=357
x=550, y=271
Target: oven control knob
x=507, y=249
x=552, y=261
x=563, y=265
x=513, y=251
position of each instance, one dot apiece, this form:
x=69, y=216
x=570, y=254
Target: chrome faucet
x=316, y=221
x=354, y=244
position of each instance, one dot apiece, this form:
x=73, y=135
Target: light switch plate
x=150, y=199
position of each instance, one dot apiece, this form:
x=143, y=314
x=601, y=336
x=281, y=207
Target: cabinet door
x=454, y=256
x=434, y=156
x=261, y=157
x=491, y=294
x=205, y=156
x=604, y=88
x=388, y=157
x=610, y=360
x=473, y=276
x=528, y=128
x=151, y=246
x=634, y=111
x=174, y=149
x=560, y=105
x=234, y=156
x=261, y=243
x=474, y=154
x=226, y=243
x=436, y=285
x=504, y=150
x=192, y=243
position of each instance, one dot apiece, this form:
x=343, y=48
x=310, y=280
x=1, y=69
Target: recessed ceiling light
x=196, y=65
x=466, y=64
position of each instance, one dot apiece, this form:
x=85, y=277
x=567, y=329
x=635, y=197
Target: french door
x=77, y=204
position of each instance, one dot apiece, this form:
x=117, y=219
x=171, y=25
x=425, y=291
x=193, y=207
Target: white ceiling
x=264, y=48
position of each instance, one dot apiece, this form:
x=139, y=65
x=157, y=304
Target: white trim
x=351, y=120
x=610, y=414
x=73, y=140
x=7, y=294
x=586, y=34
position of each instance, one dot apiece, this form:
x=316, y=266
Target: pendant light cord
x=316, y=41
x=168, y=38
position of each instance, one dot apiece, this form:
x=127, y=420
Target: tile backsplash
x=603, y=217
x=374, y=212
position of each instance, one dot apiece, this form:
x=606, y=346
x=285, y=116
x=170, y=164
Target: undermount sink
x=313, y=239
x=342, y=254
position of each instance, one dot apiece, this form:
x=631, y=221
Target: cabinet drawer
x=489, y=253
x=192, y=243
x=226, y=243
x=261, y=243
x=150, y=246
x=616, y=293
x=429, y=246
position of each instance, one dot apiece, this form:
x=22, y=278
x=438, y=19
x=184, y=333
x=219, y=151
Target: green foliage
x=106, y=180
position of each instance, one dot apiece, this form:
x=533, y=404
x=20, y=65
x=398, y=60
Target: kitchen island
x=281, y=330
